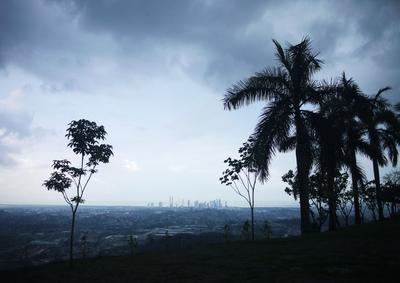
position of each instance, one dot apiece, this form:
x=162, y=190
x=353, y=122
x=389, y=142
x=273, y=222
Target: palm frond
x=380, y=91
x=271, y=133
x=265, y=85
x=281, y=55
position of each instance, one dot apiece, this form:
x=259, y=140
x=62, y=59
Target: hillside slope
x=368, y=253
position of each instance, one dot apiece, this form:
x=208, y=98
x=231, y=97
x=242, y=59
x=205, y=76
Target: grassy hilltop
x=366, y=253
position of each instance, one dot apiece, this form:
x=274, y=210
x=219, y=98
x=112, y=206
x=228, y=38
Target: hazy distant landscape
x=39, y=234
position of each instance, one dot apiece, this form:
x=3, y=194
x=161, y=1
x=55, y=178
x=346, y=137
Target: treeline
x=328, y=124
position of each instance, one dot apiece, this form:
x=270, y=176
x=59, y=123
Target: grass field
x=367, y=253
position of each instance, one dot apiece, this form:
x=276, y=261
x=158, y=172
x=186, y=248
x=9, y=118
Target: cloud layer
x=154, y=72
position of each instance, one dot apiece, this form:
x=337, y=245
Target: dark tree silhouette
x=318, y=196
x=383, y=129
x=345, y=202
x=391, y=191
x=289, y=88
x=84, y=138
x=242, y=175
x=329, y=153
x=368, y=197
x=350, y=103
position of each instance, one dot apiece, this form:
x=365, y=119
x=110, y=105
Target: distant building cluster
x=180, y=203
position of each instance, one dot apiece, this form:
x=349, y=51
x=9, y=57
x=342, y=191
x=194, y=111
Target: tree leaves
x=58, y=181
x=84, y=134
x=84, y=138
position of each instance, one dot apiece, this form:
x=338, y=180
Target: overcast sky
x=154, y=73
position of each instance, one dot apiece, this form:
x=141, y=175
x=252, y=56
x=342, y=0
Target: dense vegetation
x=328, y=124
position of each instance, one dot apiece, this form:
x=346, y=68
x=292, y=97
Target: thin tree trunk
x=71, y=241
x=252, y=223
x=378, y=189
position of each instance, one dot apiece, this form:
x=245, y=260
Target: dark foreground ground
x=368, y=253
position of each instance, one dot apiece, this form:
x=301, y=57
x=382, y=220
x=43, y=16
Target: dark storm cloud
x=223, y=29
x=378, y=22
x=218, y=28
x=233, y=36
x=23, y=28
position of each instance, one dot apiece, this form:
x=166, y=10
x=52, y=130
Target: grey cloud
x=219, y=27
x=15, y=126
x=216, y=27
x=18, y=123
x=234, y=36
x=22, y=27
x=379, y=24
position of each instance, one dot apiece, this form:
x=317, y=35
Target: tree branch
x=87, y=181
x=237, y=190
x=65, y=196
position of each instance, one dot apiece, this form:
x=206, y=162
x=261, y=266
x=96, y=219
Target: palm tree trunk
x=302, y=175
x=378, y=189
x=71, y=241
x=356, y=193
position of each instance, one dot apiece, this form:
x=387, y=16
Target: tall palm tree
x=287, y=88
x=329, y=147
x=351, y=102
x=383, y=130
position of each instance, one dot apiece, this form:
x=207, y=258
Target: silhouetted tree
x=318, y=196
x=391, y=191
x=328, y=148
x=289, y=88
x=349, y=103
x=383, y=129
x=368, y=198
x=84, y=138
x=242, y=175
x=345, y=201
